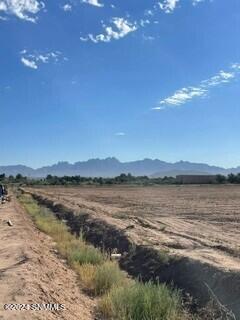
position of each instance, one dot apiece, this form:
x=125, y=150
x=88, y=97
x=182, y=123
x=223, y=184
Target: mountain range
x=111, y=167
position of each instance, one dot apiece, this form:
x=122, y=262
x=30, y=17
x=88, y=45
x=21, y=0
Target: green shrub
x=140, y=301
x=85, y=254
x=66, y=246
x=108, y=275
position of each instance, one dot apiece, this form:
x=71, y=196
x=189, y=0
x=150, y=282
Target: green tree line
x=79, y=180
x=118, y=180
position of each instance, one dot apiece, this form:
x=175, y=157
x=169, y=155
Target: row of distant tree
x=121, y=179
x=231, y=178
x=12, y=179
x=78, y=180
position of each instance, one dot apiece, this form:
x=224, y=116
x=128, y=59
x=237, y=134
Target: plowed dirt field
x=199, y=222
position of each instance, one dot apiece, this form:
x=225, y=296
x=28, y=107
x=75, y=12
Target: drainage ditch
x=197, y=280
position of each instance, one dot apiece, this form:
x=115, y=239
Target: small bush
x=108, y=275
x=86, y=274
x=66, y=246
x=99, y=279
x=85, y=254
x=140, y=301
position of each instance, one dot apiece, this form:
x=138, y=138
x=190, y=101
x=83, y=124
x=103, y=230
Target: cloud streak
x=187, y=94
x=168, y=5
x=95, y=3
x=118, y=29
x=29, y=63
x=67, y=7
x=22, y=9
x=120, y=134
x=33, y=60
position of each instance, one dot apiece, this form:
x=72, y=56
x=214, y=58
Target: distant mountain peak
x=111, y=166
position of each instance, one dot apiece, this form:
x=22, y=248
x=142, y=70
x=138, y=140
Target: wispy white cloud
x=23, y=9
x=67, y=7
x=168, y=5
x=144, y=22
x=95, y=3
x=182, y=96
x=33, y=60
x=185, y=95
x=149, y=12
x=120, y=28
x=221, y=77
x=148, y=38
x=29, y=63
x=236, y=66
x=195, y=2
x=120, y=134
x=84, y=39
x=3, y=18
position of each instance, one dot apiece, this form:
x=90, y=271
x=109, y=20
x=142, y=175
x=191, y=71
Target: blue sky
x=132, y=79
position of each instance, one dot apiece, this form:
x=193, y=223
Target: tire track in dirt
x=181, y=219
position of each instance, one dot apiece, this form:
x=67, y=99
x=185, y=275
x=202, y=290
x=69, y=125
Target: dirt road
x=200, y=222
x=31, y=272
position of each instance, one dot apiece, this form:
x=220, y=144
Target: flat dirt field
x=200, y=222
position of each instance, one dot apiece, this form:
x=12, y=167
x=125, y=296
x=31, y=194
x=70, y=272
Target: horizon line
x=120, y=161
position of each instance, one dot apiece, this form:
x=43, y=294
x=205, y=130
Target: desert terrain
x=199, y=222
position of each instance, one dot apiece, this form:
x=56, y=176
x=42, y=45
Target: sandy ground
x=31, y=272
x=200, y=222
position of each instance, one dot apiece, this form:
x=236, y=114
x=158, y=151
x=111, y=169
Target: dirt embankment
x=192, y=276
x=32, y=273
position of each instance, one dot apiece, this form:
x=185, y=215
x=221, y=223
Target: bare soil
x=198, y=222
x=31, y=272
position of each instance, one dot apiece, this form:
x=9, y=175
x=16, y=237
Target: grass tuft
x=140, y=301
x=108, y=275
x=85, y=254
x=86, y=274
